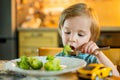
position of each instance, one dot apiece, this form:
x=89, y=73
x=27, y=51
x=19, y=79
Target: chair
x=113, y=54
x=49, y=51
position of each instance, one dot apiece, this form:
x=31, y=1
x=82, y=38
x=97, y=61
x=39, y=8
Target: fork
x=73, y=52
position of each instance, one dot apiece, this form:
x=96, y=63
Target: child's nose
x=72, y=38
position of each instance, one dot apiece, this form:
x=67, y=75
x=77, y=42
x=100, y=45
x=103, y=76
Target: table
x=9, y=75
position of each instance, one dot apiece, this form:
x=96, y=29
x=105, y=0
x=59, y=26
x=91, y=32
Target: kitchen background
x=26, y=25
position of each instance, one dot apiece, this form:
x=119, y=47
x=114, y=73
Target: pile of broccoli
x=29, y=63
x=51, y=64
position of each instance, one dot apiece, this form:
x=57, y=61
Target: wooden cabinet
x=29, y=40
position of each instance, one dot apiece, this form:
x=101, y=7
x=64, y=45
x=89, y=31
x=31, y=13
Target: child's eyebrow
x=81, y=31
x=65, y=27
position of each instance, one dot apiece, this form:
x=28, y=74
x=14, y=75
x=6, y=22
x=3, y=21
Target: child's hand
x=89, y=47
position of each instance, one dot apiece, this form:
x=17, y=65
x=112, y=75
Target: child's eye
x=80, y=34
x=67, y=32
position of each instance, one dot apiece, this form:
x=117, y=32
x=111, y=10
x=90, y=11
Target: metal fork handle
x=99, y=49
x=103, y=48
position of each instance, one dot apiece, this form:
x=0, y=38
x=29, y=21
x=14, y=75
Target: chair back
x=49, y=51
x=113, y=54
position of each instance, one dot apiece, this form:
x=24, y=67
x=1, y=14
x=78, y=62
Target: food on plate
x=29, y=63
x=94, y=72
x=23, y=63
x=52, y=64
x=35, y=63
x=50, y=57
x=67, y=49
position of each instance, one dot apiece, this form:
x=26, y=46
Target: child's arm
x=104, y=60
x=90, y=48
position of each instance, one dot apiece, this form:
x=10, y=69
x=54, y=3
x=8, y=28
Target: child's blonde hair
x=81, y=9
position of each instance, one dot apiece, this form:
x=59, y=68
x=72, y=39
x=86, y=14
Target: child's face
x=76, y=31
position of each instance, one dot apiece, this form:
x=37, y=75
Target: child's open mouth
x=72, y=47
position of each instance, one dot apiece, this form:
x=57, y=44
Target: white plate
x=72, y=64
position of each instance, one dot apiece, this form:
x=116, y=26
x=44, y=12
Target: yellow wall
x=108, y=11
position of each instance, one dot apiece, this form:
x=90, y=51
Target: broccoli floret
x=50, y=57
x=35, y=63
x=52, y=65
x=29, y=62
x=23, y=63
x=66, y=49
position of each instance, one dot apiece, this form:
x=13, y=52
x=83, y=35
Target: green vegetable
x=23, y=63
x=67, y=49
x=50, y=57
x=29, y=62
x=52, y=65
x=35, y=63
